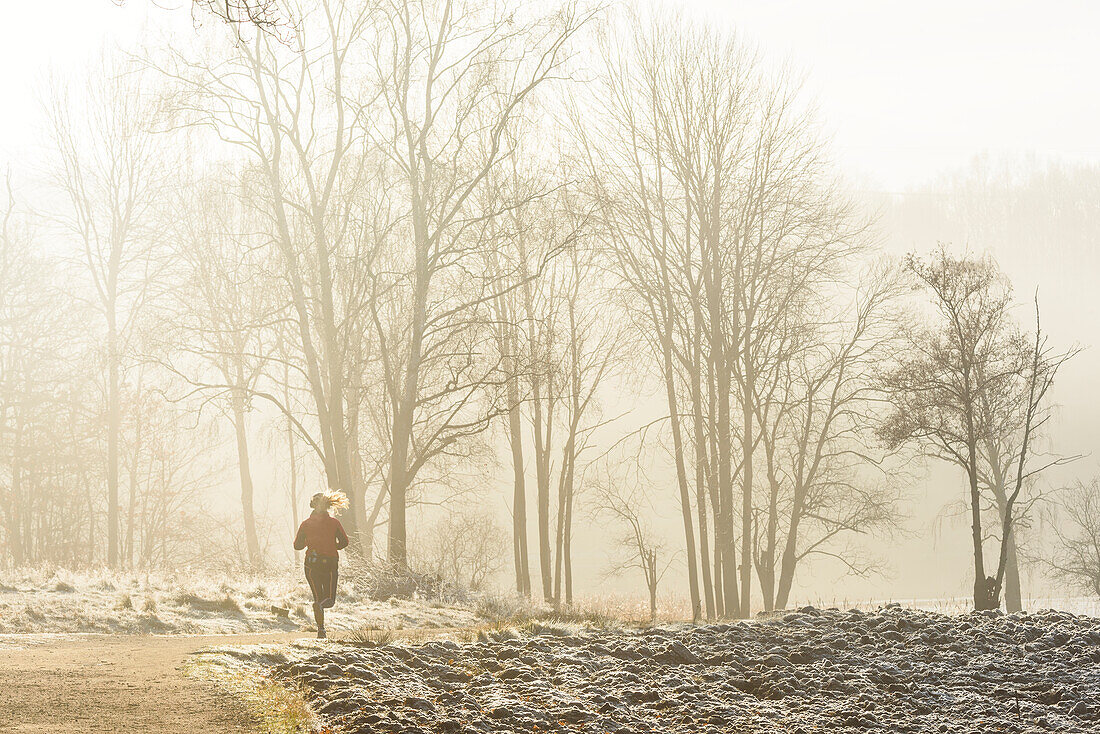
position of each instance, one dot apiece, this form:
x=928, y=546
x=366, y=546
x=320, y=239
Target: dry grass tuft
x=496, y=632
x=226, y=604
x=366, y=637
x=592, y=613
x=275, y=707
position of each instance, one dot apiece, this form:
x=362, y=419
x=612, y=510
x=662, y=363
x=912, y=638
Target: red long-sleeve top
x=321, y=533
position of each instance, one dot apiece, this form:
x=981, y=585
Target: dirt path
x=124, y=683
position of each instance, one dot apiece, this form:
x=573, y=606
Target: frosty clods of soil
x=811, y=670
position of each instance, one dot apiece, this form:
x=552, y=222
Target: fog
x=683, y=279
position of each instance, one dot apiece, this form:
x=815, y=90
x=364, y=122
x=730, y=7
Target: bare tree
x=464, y=548
x=304, y=146
x=454, y=78
x=725, y=223
x=826, y=479
x=971, y=379
x=50, y=462
x=1020, y=429
x=110, y=168
x=221, y=318
x=1075, y=557
x=623, y=500
x=508, y=338
x=171, y=466
x=557, y=347
x=1022, y=210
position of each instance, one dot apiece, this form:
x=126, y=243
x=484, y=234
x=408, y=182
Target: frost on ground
x=812, y=670
x=73, y=602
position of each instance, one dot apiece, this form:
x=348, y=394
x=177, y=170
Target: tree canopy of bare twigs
x=729, y=234
x=972, y=389
x=1075, y=557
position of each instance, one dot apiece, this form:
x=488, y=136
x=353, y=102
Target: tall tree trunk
x=701, y=467
x=252, y=540
x=766, y=564
x=293, y=488
x=541, y=424
x=542, y=428
x=15, y=516
x=292, y=453
x=719, y=599
x=724, y=535
x=565, y=497
x=651, y=578
x=681, y=471
x=520, y=558
x=746, y=491
x=704, y=551
x=519, y=494
x=397, y=550
x=731, y=603
x=567, y=551
x=790, y=550
x=113, y=429
x=405, y=416
x=357, y=485
x=559, y=536
x=981, y=585
x=1013, y=600
x=133, y=492
x=1013, y=594
x=713, y=488
x=542, y=481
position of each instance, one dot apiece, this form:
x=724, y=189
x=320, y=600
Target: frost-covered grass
x=603, y=610
x=195, y=602
x=50, y=600
x=590, y=611
x=1089, y=605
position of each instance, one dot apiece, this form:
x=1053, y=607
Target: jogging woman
x=322, y=536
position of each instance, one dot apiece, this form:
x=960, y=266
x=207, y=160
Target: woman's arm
x=341, y=537
x=300, y=538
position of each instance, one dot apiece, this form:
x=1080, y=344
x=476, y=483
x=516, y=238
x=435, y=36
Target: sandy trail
x=116, y=683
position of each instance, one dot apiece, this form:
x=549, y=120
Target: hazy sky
x=910, y=89
x=907, y=90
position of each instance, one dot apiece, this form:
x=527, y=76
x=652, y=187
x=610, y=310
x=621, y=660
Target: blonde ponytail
x=333, y=499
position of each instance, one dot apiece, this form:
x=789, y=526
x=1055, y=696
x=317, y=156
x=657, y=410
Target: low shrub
x=384, y=581
x=226, y=604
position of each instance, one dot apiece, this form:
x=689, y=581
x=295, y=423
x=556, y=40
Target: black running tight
x=322, y=575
